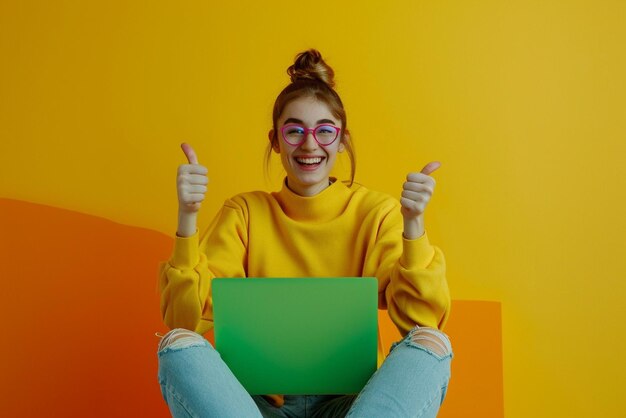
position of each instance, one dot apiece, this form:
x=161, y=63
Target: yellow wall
x=522, y=101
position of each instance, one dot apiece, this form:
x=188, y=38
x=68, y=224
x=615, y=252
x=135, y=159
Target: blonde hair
x=312, y=77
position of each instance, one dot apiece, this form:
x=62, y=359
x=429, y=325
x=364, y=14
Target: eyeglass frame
x=306, y=133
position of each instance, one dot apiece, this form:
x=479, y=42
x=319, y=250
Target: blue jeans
x=411, y=382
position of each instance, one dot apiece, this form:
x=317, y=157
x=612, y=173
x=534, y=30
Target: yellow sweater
x=342, y=231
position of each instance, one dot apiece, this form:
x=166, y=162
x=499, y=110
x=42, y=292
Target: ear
x=273, y=141
x=345, y=137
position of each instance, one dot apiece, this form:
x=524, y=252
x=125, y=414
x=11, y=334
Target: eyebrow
x=294, y=120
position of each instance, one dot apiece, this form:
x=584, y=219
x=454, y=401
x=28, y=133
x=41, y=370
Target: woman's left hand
x=416, y=193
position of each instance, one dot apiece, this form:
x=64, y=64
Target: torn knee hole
x=430, y=339
x=180, y=338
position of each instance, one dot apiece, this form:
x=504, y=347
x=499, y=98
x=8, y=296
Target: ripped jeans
x=411, y=382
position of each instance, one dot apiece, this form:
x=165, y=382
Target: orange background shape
x=79, y=314
x=81, y=309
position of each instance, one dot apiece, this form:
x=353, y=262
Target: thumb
x=189, y=153
x=430, y=167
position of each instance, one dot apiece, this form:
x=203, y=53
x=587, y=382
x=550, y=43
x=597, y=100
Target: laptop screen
x=297, y=335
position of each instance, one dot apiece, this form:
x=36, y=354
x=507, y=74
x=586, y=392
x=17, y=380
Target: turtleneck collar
x=323, y=207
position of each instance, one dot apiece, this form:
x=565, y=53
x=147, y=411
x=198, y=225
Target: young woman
x=355, y=231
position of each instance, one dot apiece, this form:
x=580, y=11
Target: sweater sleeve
x=411, y=275
x=185, y=279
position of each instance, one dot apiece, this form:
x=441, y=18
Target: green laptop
x=297, y=336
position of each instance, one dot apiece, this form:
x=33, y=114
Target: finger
x=421, y=178
x=409, y=204
x=192, y=189
x=417, y=187
x=197, y=179
x=192, y=169
x=430, y=167
x=189, y=153
x=414, y=196
x=195, y=198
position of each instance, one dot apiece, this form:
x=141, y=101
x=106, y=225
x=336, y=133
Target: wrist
x=186, y=223
x=413, y=227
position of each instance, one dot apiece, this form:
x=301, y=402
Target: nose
x=309, y=142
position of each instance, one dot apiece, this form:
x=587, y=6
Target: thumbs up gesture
x=191, y=182
x=416, y=193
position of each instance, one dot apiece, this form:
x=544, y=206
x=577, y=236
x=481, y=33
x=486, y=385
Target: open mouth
x=309, y=163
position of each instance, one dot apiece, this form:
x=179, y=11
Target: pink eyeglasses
x=325, y=134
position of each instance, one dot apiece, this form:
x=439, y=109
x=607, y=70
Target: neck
x=310, y=190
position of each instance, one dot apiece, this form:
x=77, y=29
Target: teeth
x=316, y=160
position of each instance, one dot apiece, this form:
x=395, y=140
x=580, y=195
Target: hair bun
x=309, y=65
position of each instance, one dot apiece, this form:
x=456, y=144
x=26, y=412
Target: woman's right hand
x=191, y=185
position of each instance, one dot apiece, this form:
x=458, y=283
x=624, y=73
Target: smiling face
x=309, y=164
